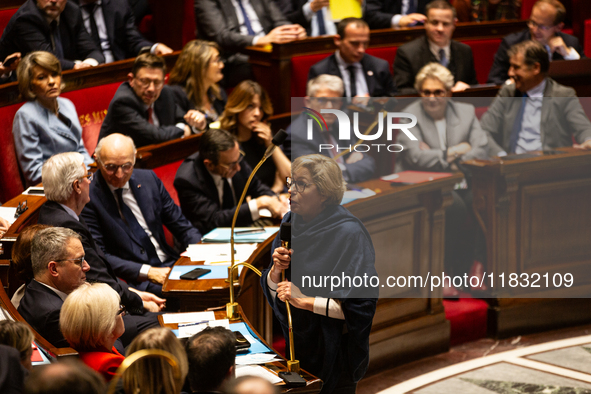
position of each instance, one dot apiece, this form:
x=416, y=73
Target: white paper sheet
x=189, y=317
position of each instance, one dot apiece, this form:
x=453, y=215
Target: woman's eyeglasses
x=299, y=186
x=122, y=311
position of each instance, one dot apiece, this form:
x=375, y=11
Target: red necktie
x=150, y=115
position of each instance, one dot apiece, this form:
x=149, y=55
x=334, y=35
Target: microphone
x=278, y=139
x=285, y=235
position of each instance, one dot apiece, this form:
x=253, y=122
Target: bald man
x=125, y=215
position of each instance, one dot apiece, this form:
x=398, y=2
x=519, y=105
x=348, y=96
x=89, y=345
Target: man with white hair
x=67, y=183
x=125, y=215
x=59, y=267
x=326, y=92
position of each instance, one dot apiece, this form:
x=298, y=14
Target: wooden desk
x=200, y=294
x=313, y=385
x=535, y=214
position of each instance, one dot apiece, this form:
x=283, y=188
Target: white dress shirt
x=131, y=202
x=360, y=82
x=530, y=138
x=435, y=50
x=312, y=17
x=252, y=17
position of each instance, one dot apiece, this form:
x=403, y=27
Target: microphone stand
x=232, y=306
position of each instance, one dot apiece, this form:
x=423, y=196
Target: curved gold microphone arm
x=293, y=365
x=370, y=128
x=145, y=353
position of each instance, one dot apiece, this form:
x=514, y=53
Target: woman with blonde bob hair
x=155, y=375
x=91, y=320
x=245, y=116
x=326, y=240
x=47, y=124
x=196, y=75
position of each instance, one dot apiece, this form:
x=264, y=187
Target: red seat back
x=11, y=184
x=166, y=173
x=91, y=105
x=5, y=16
x=588, y=38
x=483, y=52
x=300, y=66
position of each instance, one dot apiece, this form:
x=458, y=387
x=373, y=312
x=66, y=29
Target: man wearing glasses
x=544, y=26
x=125, y=215
x=144, y=109
x=210, y=182
x=326, y=92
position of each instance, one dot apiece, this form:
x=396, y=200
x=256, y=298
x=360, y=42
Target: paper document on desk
x=7, y=213
x=222, y=234
x=189, y=317
x=257, y=358
x=219, y=253
x=352, y=195
x=187, y=331
x=256, y=370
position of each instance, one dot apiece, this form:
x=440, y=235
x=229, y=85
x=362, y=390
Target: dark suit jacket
x=28, y=31
x=217, y=21
x=199, y=196
x=562, y=118
x=378, y=13
x=12, y=373
x=124, y=38
x=413, y=56
x=500, y=68
x=40, y=307
x=376, y=70
x=122, y=248
x=359, y=171
x=127, y=114
x=100, y=270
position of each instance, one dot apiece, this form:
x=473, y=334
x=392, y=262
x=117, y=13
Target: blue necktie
x=443, y=60
x=56, y=40
x=134, y=226
x=412, y=7
x=246, y=20
x=320, y=18
x=517, y=125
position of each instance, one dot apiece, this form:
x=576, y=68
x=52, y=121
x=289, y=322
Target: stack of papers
x=352, y=195
x=222, y=234
x=219, y=253
x=7, y=213
x=189, y=317
x=187, y=330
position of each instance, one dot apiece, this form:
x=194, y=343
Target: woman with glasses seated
x=447, y=133
x=245, y=116
x=330, y=325
x=91, y=320
x=47, y=124
x=195, y=76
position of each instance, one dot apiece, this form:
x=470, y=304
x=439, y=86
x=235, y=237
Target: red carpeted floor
x=467, y=316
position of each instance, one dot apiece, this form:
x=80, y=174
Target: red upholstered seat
x=300, y=65
x=483, y=52
x=386, y=53
x=166, y=173
x=189, y=25
x=11, y=184
x=5, y=16
x=91, y=105
x=526, y=6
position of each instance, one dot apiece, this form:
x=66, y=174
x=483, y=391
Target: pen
x=193, y=324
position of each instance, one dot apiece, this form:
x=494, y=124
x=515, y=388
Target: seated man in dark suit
x=544, y=26
x=383, y=14
x=212, y=359
x=314, y=15
x=144, y=109
x=111, y=25
x=210, y=182
x=234, y=25
x=535, y=112
x=53, y=26
x=125, y=215
x=364, y=75
x=326, y=92
x=66, y=184
x=436, y=46
x=59, y=267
